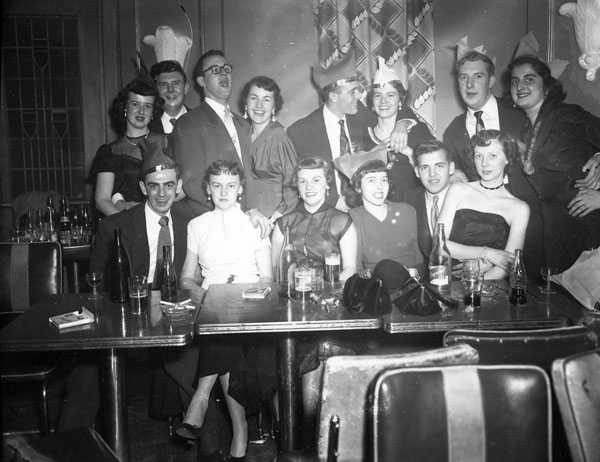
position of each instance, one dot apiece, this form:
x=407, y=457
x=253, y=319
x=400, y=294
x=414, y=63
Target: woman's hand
x=592, y=179
x=125, y=205
x=500, y=258
x=586, y=201
x=258, y=219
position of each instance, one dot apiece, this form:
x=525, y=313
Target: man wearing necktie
x=336, y=128
x=475, y=76
x=172, y=85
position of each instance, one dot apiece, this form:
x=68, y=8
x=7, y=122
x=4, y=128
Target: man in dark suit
x=337, y=128
x=140, y=225
x=211, y=131
x=172, y=85
x=475, y=74
x=433, y=166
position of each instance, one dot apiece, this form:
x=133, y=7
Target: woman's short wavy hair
x=509, y=145
x=142, y=86
x=353, y=195
x=552, y=85
x=394, y=83
x=223, y=167
x=314, y=163
x=266, y=83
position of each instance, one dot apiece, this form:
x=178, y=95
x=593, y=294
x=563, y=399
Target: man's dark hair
x=200, y=64
x=166, y=66
x=431, y=146
x=472, y=56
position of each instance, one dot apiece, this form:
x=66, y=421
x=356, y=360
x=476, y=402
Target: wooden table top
x=116, y=327
x=541, y=311
x=224, y=311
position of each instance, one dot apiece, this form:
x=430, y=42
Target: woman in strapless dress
x=482, y=219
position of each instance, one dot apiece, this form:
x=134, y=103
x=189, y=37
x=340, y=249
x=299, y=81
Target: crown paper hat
x=341, y=71
x=384, y=74
x=349, y=165
x=528, y=45
x=462, y=48
x=169, y=46
x=155, y=158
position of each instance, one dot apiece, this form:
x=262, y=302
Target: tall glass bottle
x=168, y=288
x=65, y=230
x=51, y=214
x=440, y=260
x=87, y=226
x=51, y=225
x=518, y=280
x=118, y=271
x=287, y=266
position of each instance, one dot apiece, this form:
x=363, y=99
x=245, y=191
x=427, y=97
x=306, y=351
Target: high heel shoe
x=188, y=431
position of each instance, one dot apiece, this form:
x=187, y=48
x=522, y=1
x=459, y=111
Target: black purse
x=390, y=285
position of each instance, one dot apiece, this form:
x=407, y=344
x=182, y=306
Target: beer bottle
x=287, y=266
x=64, y=230
x=518, y=280
x=118, y=271
x=168, y=288
x=440, y=260
x=51, y=214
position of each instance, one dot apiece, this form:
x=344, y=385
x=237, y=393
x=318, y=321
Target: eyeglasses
x=216, y=69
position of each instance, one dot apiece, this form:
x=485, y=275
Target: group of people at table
x=367, y=182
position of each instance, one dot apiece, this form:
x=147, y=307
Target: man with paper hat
x=337, y=127
x=476, y=79
x=140, y=227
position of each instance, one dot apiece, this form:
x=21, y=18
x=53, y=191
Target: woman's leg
x=237, y=413
x=194, y=415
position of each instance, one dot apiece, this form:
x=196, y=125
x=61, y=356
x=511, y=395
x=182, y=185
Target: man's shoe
x=188, y=431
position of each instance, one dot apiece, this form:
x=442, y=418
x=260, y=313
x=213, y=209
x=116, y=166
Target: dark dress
x=567, y=136
x=401, y=173
x=478, y=229
x=273, y=164
x=124, y=159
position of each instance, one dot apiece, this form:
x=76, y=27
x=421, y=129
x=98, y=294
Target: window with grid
x=43, y=104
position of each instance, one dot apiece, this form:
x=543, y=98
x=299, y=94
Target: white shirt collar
x=217, y=107
x=152, y=230
x=166, y=119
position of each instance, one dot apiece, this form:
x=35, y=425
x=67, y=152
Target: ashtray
x=176, y=310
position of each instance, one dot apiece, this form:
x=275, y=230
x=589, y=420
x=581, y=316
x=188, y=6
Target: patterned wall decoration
x=401, y=31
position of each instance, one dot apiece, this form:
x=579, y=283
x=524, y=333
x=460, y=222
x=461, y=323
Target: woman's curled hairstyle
x=509, y=145
x=142, y=86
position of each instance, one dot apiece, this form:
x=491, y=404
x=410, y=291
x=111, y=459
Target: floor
x=149, y=438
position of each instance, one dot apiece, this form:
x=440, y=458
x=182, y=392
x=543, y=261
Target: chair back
x=576, y=381
x=538, y=347
x=462, y=413
x=27, y=272
x=345, y=385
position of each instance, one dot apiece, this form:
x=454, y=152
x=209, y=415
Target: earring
x=239, y=197
x=209, y=198
x=246, y=112
x=273, y=119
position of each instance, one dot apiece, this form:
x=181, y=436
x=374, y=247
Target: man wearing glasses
x=211, y=131
x=172, y=88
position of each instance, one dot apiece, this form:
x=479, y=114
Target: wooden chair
x=478, y=413
x=576, y=381
x=539, y=347
x=27, y=272
x=343, y=408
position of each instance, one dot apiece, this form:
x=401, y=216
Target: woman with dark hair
x=561, y=144
x=316, y=228
x=482, y=219
x=228, y=249
x=385, y=230
x=387, y=98
x=272, y=152
x=115, y=171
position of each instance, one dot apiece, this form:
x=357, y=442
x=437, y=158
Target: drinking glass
x=94, y=279
x=548, y=271
x=471, y=268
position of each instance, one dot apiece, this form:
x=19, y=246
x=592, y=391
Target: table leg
x=289, y=392
x=115, y=406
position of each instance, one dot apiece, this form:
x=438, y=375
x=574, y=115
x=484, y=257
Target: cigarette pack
x=256, y=292
x=72, y=319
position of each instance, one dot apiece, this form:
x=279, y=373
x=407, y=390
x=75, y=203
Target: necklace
x=137, y=138
x=490, y=189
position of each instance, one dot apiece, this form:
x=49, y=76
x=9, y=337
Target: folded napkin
x=582, y=279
